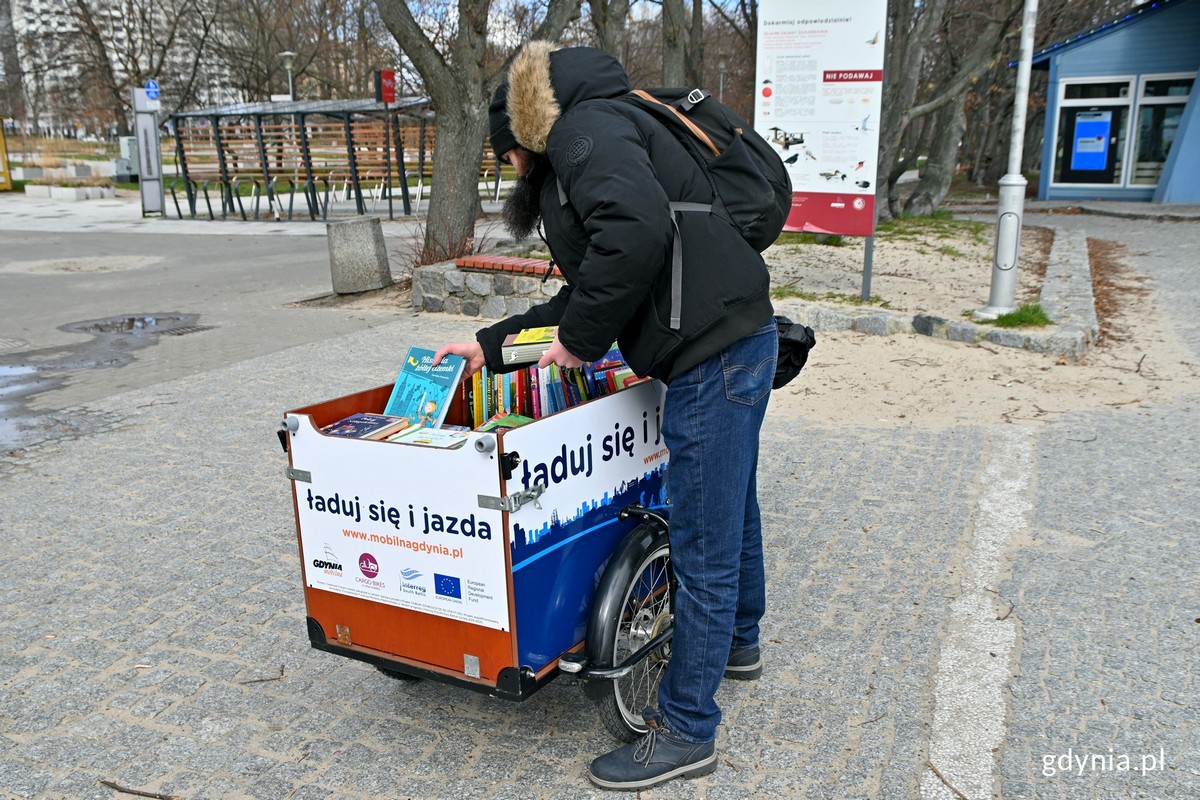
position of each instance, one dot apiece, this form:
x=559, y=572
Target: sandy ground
x=917, y=381
x=943, y=268
x=911, y=380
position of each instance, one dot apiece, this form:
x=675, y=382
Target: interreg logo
x=407, y=578
x=368, y=565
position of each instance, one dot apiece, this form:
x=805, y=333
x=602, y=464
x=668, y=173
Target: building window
x=1093, y=121
x=1096, y=91
x=1160, y=109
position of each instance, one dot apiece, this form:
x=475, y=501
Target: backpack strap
x=677, y=258
x=691, y=126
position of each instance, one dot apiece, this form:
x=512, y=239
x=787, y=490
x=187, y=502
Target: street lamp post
x=289, y=59
x=1002, y=298
x=722, y=65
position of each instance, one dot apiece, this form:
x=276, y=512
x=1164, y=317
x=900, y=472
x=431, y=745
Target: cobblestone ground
x=152, y=572
x=1106, y=589
x=152, y=598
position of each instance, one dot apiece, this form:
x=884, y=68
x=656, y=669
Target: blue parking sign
x=152, y=89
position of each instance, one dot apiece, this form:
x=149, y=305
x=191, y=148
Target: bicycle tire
x=633, y=605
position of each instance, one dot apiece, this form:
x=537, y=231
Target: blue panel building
x=1122, y=116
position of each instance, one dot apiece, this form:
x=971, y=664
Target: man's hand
x=471, y=351
x=557, y=354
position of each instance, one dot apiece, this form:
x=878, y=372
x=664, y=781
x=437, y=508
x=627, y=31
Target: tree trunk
x=674, y=36
x=454, y=194
x=938, y=171
x=609, y=18
x=11, y=99
x=695, y=50
x=911, y=27
x=460, y=88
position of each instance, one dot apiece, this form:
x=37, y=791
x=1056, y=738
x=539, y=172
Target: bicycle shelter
x=327, y=151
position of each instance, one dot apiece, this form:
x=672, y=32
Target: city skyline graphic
x=649, y=490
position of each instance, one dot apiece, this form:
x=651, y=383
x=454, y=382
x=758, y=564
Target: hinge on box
x=470, y=666
x=294, y=474
x=513, y=502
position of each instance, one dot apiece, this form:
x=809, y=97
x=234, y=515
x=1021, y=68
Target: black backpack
x=751, y=187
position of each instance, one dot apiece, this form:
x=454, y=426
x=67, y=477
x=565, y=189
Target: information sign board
x=818, y=99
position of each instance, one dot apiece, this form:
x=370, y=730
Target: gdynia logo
x=330, y=564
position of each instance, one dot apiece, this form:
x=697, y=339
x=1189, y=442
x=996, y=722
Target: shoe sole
x=749, y=672
x=687, y=771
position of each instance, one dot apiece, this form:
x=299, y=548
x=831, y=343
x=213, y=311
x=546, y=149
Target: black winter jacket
x=614, y=169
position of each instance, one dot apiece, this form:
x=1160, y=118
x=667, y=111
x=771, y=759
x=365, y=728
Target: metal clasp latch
x=513, y=502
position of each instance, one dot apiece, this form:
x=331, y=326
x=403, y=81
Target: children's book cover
x=449, y=437
x=505, y=422
x=366, y=426
x=423, y=392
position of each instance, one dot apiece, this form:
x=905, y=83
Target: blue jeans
x=711, y=422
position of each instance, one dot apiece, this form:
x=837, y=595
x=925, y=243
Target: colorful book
x=367, y=426
x=527, y=346
x=535, y=396
x=448, y=437
x=505, y=422
x=423, y=392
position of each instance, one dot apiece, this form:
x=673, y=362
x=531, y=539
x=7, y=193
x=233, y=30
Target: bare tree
x=459, y=81
x=609, y=19
x=674, y=43
x=121, y=47
x=10, y=62
x=733, y=31
x=990, y=102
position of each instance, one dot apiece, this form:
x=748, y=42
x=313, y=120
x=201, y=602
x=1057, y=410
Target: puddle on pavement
x=113, y=344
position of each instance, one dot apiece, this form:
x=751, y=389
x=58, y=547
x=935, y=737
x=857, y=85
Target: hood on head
x=545, y=81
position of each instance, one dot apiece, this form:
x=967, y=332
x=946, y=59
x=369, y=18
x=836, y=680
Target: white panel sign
x=400, y=524
x=818, y=100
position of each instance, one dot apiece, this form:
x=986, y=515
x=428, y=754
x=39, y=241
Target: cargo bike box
x=495, y=565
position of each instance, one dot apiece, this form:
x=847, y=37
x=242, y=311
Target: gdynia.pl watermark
x=1073, y=763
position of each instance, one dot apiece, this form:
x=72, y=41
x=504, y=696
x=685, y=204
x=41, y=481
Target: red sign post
x=385, y=85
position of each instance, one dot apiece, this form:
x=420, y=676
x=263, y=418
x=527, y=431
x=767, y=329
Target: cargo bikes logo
x=369, y=567
x=330, y=564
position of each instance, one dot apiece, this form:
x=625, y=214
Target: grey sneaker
x=744, y=664
x=656, y=758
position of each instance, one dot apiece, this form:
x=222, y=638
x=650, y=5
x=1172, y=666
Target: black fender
x=605, y=613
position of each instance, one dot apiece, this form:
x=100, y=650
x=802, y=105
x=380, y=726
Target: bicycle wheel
x=635, y=601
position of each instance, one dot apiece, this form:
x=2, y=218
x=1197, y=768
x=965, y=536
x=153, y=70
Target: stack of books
x=534, y=392
x=423, y=394
x=527, y=346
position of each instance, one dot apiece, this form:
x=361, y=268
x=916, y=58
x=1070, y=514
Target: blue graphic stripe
x=583, y=532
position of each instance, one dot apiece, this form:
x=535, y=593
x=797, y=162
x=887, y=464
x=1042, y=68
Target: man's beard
x=521, y=209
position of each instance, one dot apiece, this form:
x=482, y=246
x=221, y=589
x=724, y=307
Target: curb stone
x=1066, y=298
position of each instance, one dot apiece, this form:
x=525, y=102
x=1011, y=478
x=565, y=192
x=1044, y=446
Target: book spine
x=535, y=401
x=570, y=389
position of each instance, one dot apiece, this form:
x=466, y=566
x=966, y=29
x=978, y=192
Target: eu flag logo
x=447, y=585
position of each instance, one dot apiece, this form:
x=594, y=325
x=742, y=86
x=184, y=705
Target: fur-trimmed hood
x=544, y=82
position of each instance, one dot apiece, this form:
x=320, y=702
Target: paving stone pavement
x=1105, y=586
x=152, y=595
